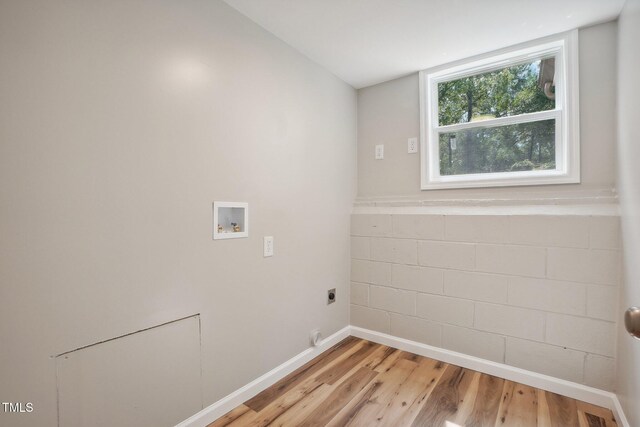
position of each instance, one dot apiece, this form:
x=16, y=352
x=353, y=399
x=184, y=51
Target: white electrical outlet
x=379, y=152
x=412, y=145
x=268, y=246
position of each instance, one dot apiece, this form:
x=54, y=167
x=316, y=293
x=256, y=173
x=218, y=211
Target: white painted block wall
x=537, y=292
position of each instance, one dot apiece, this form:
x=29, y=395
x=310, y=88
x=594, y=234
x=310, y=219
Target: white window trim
x=565, y=47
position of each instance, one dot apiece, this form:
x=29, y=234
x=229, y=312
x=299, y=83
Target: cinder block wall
x=533, y=291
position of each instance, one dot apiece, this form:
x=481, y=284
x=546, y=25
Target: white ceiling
x=365, y=42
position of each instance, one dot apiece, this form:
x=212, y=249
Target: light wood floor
x=360, y=383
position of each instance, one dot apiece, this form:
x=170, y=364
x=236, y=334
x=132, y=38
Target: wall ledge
x=608, y=209
x=596, y=198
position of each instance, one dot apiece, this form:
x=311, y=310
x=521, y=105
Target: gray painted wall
x=628, y=378
x=388, y=114
x=120, y=124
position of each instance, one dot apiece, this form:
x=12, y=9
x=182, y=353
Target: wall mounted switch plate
x=379, y=152
x=268, y=246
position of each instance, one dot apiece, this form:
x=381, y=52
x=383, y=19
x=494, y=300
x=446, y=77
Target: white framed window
x=505, y=118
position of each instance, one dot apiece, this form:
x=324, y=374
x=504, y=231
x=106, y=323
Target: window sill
x=494, y=180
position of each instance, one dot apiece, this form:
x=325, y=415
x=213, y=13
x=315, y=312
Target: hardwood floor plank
x=443, y=403
x=432, y=378
x=261, y=400
x=390, y=382
x=563, y=411
x=465, y=405
x=231, y=416
x=350, y=411
x=412, y=357
x=338, y=370
x=387, y=363
x=361, y=384
x=340, y=396
x=355, y=405
x=597, y=411
x=544, y=416
x=407, y=400
x=378, y=357
x=485, y=404
x=308, y=384
x=518, y=406
x=297, y=413
x=283, y=403
x=243, y=420
x=590, y=420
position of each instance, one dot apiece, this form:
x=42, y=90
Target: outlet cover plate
x=412, y=145
x=331, y=296
x=268, y=246
x=379, y=152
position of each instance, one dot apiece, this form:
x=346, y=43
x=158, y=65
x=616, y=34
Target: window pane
x=519, y=147
x=510, y=91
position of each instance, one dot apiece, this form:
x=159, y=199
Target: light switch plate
x=268, y=246
x=412, y=145
x=379, y=152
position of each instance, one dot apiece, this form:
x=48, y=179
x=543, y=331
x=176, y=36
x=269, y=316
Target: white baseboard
x=545, y=382
x=238, y=397
x=566, y=388
x=621, y=418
